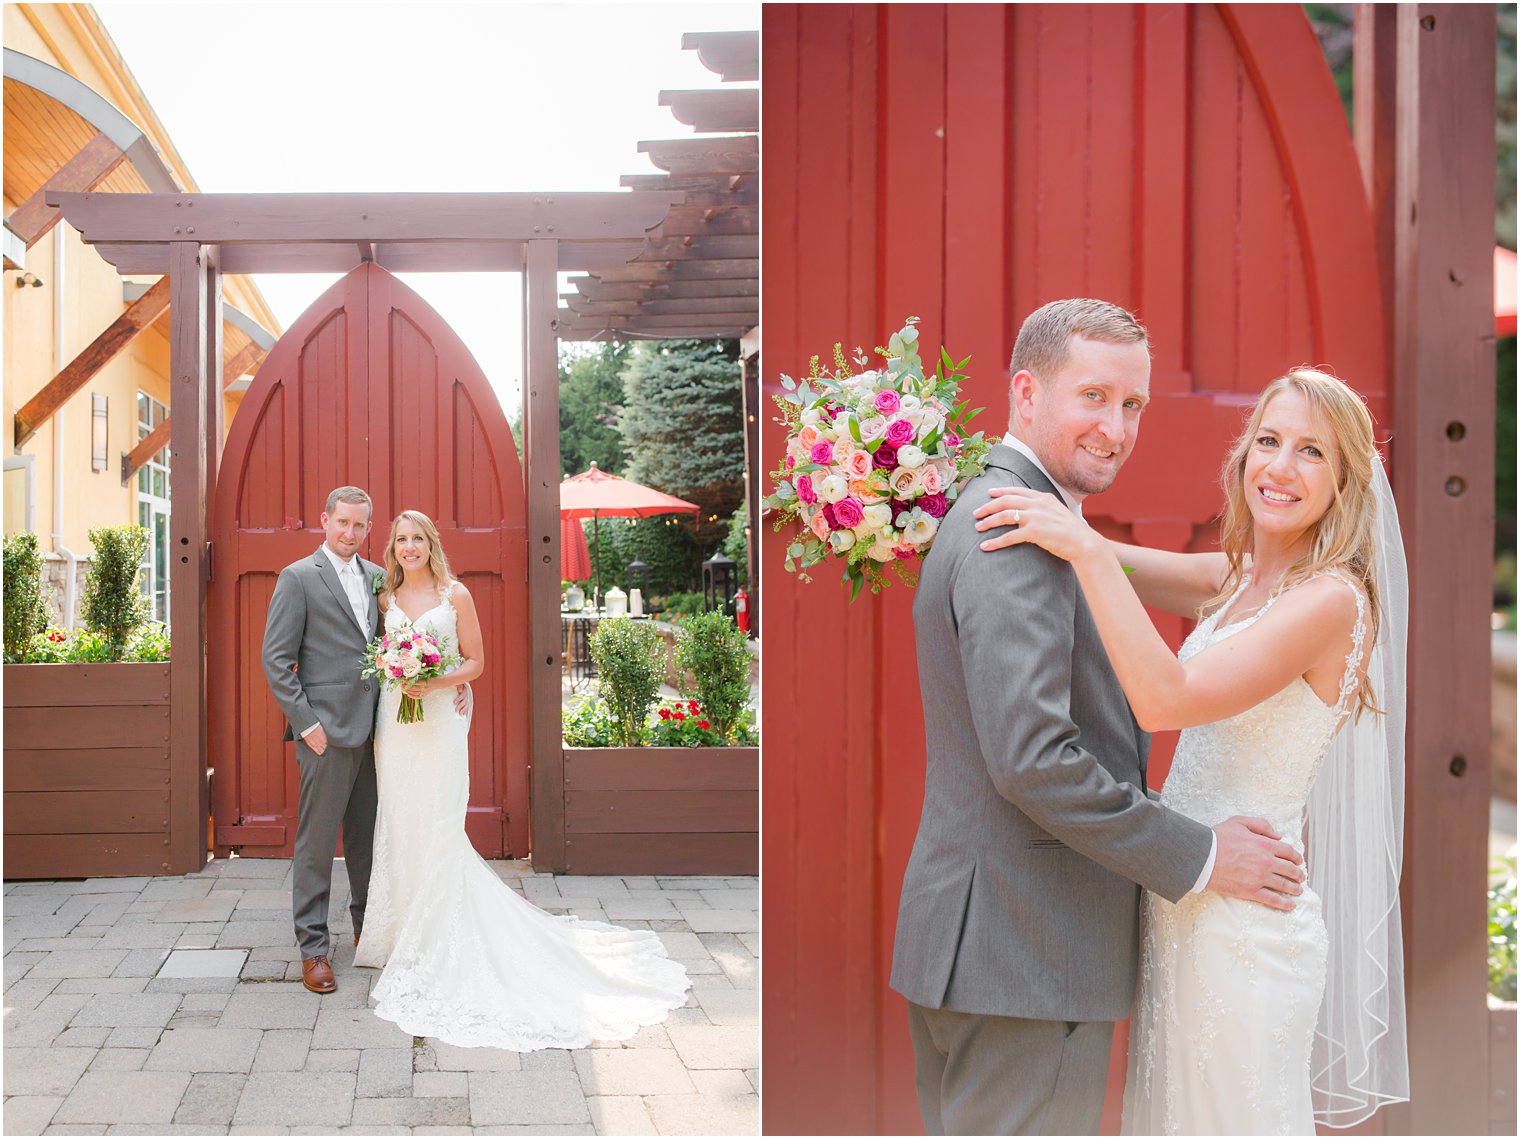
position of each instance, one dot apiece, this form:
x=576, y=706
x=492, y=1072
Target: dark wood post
x=541, y=460
x=1443, y=376
x=754, y=472
x=194, y=294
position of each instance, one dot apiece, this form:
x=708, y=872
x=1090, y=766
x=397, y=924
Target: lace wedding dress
x=466, y=959
x=1229, y=994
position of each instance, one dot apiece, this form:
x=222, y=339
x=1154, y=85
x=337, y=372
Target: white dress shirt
x=1023, y=448
x=351, y=578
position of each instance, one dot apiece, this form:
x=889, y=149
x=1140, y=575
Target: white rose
x=872, y=427
x=911, y=456
x=811, y=416
x=841, y=540
x=877, y=516
x=911, y=403
x=914, y=416
x=833, y=488
x=921, y=530
x=930, y=421
x=882, y=551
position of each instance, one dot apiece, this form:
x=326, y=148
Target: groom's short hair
x=350, y=494
x=1042, y=346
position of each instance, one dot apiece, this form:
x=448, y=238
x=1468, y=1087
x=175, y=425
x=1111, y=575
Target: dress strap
x=1349, y=678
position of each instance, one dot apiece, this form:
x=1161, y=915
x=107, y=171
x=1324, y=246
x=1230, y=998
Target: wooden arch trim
x=1302, y=109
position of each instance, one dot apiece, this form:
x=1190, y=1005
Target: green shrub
x=82, y=646
x=114, y=604
x=26, y=613
x=675, y=606
x=590, y=724
x=715, y=653
x=629, y=662
x=1501, y=930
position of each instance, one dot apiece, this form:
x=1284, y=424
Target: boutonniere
x=377, y=581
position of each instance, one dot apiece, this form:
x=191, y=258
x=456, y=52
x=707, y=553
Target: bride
x=466, y=960
x=1290, y=694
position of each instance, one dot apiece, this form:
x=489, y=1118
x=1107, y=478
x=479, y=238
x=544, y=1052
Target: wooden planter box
x=659, y=810
x=86, y=770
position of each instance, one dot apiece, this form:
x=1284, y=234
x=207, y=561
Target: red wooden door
x=966, y=164
x=368, y=387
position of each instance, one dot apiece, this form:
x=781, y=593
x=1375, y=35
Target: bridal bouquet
x=406, y=656
x=874, y=458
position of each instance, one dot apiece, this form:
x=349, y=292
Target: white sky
x=321, y=97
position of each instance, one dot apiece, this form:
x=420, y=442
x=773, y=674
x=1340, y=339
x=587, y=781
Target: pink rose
x=888, y=403
x=899, y=432
x=858, y=465
x=848, y=513
x=790, y=462
x=805, y=489
x=903, y=553
x=929, y=475
x=951, y=440
x=820, y=526
x=822, y=453
x=933, y=505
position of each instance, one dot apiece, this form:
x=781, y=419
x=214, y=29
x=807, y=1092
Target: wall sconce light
x=99, y=423
x=31, y=279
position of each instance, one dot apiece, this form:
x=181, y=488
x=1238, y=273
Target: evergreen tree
x=590, y=396
x=682, y=425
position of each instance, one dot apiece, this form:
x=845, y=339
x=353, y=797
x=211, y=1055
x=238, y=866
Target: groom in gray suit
x=321, y=617
x=1017, y=931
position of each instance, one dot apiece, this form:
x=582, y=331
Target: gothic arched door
x=369, y=387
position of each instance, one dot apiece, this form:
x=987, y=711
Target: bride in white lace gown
x=1268, y=1018
x=465, y=958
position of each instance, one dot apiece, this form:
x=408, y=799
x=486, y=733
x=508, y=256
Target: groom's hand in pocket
x=316, y=739
x=1253, y=863
x=464, y=700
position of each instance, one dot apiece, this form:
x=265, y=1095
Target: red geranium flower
x=680, y=716
x=692, y=704
x=664, y=713
x=704, y=725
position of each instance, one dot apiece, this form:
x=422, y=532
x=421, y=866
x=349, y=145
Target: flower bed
x=86, y=770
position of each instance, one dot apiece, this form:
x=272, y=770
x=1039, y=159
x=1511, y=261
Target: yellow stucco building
x=76, y=119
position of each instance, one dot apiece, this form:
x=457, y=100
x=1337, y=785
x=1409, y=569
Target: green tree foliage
x=1504, y=188
x=630, y=661
x=714, y=658
x=682, y=425
x=590, y=397
x=664, y=543
x=735, y=545
x=114, y=605
x=26, y=614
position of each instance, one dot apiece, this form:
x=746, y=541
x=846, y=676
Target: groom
x=1017, y=932
x=321, y=618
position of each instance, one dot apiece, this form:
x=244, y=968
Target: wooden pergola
x=195, y=238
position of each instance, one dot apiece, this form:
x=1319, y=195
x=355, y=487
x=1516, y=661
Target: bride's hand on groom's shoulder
x=1254, y=863
x=1026, y=515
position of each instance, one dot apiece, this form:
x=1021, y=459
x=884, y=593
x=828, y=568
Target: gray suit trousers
x=1005, y=1075
x=337, y=789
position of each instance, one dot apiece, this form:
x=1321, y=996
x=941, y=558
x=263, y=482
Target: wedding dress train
x=465, y=958
x=1229, y=995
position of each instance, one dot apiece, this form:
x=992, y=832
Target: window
x=153, y=509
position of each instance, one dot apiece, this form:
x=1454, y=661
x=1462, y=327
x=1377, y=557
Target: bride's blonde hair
x=1345, y=537
x=437, y=562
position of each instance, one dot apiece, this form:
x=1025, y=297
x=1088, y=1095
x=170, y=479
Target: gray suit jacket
x=311, y=624
x=1020, y=897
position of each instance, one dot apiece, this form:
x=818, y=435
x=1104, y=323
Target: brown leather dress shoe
x=317, y=975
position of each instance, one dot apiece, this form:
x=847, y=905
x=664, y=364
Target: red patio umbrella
x=574, y=558
x=597, y=494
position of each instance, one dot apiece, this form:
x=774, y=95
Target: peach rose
x=905, y=482
x=931, y=479
x=807, y=437
x=857, y=465
x=867, y=491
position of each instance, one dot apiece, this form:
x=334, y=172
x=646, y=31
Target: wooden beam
x=593, y=289
x=728, y=154
x=1443, y=478
x=737, y=268
x=399, y=257
x=247, y=358
x=700, y=189
x=733, y=55
x=733, y=110
x=105, y=348
x=348, y=219
x=192, y=385
x=150, y=445
x=705, y=221
x=87, y=169
x=688, y=307
x=692, y=248
x=542, y=475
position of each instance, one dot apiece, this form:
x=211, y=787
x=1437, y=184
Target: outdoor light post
x=638, y=576
x=718, y=581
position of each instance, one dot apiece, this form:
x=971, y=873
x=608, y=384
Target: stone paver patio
x=153, y=1006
